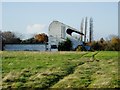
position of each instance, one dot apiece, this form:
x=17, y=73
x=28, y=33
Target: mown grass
x=22, y=69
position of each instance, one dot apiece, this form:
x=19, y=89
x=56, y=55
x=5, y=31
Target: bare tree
x=91, y=30
x=85, y=29
x=81, y=29
x=9, y=37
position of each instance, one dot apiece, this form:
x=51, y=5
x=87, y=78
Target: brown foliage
x=110, y=45
x=41, y=37
x=115, y=40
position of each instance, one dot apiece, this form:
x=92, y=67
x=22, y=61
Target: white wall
x=55, y=29
x=57, y=32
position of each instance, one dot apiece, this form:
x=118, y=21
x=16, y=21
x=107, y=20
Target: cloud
x=36, y=28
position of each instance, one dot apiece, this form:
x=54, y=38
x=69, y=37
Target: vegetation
x=85, y=34
x=41, y=38
x=11, y=38
x=81, y=29
x=109, y=45
x=91, y=31
x=80, y=48
x=22, y=69
x=65, y=45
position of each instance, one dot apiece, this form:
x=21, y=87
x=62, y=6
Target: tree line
x=113, y=44
x=9, y=37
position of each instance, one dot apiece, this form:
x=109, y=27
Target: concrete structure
x=59, y=32
x=25, y=47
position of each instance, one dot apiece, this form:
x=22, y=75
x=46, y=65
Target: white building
x=59, y=32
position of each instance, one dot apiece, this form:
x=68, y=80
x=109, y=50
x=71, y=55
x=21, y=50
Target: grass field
x=22, y=69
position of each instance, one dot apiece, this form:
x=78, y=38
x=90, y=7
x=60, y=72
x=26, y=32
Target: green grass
x=21, y=69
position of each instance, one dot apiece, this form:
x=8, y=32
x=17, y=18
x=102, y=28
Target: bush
x=80, y=48
x=65, y=45
x=110, y=45
x=96, y=46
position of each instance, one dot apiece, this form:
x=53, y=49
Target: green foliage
x=65, y=45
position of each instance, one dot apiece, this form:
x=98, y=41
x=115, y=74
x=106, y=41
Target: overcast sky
x=34, y=17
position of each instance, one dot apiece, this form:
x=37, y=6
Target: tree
x=91, y=30
x=115, y=41
x=81, y=29
x=85, y=29
x=10, y=38
x=43, y=38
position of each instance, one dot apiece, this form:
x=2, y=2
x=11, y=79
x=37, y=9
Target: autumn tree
x=43, y=38
x=115, y=41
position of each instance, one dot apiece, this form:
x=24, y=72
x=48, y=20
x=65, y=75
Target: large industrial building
x=58, y=32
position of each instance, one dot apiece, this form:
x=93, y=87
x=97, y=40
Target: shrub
x=110, y=45
x=80, y=48
x=65, y=45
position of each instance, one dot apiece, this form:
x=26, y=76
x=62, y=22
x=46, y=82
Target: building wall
x=55, y=29
x=25, y=47
x=57, y=32
x=54, y=34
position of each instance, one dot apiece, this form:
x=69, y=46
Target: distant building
x=25, y=47
x=59, y=32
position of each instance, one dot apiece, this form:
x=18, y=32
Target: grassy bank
x=59, y=69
